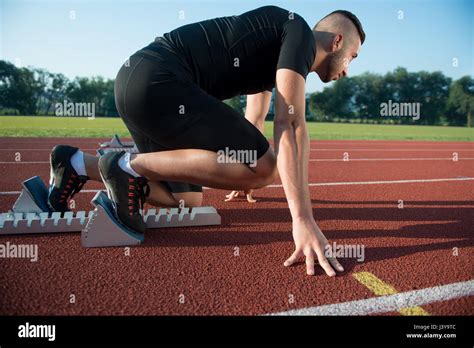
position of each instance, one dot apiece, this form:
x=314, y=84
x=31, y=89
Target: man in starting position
x=169, y=94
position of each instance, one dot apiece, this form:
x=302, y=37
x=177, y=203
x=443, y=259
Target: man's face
x=337, y=63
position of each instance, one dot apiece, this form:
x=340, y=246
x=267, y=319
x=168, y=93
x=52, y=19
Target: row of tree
x=25, y=91
x=430, y=98
x=438, y=99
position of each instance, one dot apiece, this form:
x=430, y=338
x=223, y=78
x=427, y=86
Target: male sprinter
x=170, y=97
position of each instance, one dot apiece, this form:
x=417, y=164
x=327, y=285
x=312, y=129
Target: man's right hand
x=311, y=242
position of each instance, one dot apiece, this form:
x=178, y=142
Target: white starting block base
x=28, y=223
x=99, y=227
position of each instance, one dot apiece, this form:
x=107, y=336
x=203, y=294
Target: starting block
x=104, y=229
x=115, y=144
x=100, y=227
x=31, y=214
x=33, y=198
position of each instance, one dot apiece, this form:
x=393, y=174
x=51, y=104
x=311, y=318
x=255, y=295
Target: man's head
x=340, y=36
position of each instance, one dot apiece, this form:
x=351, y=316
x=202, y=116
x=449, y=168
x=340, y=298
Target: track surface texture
x=237, y=268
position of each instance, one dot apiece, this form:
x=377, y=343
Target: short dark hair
x=353, y=18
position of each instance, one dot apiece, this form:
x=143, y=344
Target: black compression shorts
x=164, y=110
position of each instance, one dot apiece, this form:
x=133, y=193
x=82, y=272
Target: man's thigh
x=207, y=123
x=177, y=189
x=165, y=112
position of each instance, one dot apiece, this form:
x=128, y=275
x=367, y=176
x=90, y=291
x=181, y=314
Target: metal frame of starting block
x=100, y=227
x=116, y=142
x=116, y=145
x=104, y=150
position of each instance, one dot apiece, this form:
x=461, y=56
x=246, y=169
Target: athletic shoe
x=64, y=181
x=127, y=192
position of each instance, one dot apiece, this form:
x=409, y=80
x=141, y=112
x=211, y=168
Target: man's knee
x=267, y=178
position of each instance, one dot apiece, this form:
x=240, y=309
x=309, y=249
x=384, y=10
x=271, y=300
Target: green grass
x=36, y=126
x=387, y=132
x=39, y=126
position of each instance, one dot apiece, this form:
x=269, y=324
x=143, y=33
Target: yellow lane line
x=380, y=288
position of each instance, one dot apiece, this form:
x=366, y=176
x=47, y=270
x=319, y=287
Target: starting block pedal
x=33, y=198
x=31, y=214
x=100, y=227
x=115, y=144
x=102, y=151
x=104, y=229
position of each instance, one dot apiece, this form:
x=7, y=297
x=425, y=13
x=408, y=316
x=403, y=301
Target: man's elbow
x=283, y=123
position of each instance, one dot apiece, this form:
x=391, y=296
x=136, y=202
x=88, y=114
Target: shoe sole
x=109, y=192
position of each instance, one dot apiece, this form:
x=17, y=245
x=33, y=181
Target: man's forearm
x=292, y=148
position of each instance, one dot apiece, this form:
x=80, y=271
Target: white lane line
x=395, y=150
x=390, y=303
x=401, y=142
x=313, y=160
x=50, y=149
x=25, y=162
x=379, y=182
x=8, y=193
x=312, y=149
x=5, y=193
x=391, y=159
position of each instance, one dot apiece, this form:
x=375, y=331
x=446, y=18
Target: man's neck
x=320, y=38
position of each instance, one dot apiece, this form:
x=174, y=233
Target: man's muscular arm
x=292, y=150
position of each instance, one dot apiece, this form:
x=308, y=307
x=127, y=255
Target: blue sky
x=98, y=35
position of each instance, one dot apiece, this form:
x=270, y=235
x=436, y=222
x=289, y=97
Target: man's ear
x=337, y=43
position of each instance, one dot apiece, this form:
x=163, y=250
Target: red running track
x=409, y=248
